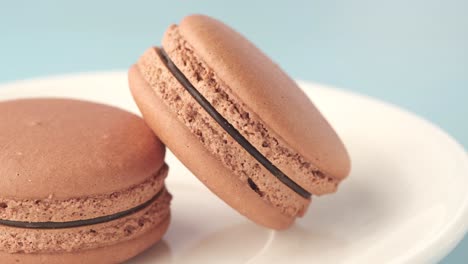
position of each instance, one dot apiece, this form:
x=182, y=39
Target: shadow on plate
x=249, y=243
x=160, y=253
x=234, y=244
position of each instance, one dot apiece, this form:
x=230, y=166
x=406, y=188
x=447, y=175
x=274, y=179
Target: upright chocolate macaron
x=79, y=183
x=237, y=121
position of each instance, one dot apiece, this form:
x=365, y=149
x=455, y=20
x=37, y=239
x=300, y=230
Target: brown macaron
x=237, y=121
x=80, y=182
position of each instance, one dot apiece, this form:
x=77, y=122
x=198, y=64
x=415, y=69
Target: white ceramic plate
x=406, y=200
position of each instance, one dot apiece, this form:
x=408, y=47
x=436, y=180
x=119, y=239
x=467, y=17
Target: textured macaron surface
x=265, y=89
x=245, y=120
x=80, y=208
x=53, y=148
x=77, y=176
x=66, y=160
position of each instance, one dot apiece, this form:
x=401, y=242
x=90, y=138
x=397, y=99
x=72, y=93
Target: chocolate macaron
x=237, y=121
x=80, y=182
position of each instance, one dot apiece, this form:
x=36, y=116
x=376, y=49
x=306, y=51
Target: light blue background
x=413, y=53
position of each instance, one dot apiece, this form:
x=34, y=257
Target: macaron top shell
x=267, y=91
x=60, y=149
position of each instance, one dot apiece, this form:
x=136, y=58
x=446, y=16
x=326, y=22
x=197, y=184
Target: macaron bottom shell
x=115, y=253
x=38, y=245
